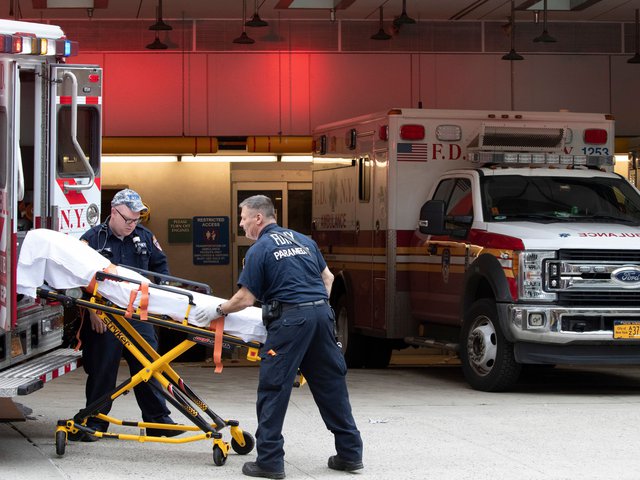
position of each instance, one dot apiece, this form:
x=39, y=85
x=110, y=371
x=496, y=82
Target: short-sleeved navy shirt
x=275, y=268
x=123, y=252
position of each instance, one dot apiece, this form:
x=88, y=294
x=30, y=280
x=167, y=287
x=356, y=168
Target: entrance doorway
x=292, y=201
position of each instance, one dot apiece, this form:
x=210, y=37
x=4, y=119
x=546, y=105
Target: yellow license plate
x=626, y=329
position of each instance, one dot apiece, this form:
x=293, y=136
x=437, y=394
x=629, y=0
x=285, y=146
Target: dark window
x=88, y=132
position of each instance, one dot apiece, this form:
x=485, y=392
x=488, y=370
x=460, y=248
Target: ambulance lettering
x=609, y=234
x=71, y=219
x=454, y=152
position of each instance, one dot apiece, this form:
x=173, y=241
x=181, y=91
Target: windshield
x=518, y=198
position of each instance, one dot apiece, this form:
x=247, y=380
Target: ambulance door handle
x=74, y=135
x=357, y=227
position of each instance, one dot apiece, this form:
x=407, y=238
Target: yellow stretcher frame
x=157, y=366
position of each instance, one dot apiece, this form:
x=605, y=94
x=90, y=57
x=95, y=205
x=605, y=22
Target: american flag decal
x=412, y=152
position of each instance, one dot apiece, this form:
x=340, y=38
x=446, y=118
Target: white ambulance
x=503, y=235
x=50, y=141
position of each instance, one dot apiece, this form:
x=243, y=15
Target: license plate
x=626, y=329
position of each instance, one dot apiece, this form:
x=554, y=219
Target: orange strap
x=82, y=313
x=217, y=326
x=144, y=301
x=132, y=298
x=111, y=268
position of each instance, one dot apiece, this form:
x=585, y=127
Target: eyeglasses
x=128, y=221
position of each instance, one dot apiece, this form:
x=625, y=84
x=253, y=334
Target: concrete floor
x=418, y=422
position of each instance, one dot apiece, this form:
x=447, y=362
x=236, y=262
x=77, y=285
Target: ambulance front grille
x=599, y=299
x=601, y=256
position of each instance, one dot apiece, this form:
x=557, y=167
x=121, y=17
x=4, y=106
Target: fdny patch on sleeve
x=156, y=243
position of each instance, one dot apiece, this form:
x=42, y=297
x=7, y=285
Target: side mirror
x=432, y=218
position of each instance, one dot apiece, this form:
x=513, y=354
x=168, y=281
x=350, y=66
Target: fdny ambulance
x=502, y=235
x=50, y=142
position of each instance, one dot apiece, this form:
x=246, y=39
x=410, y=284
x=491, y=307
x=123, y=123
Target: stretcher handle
x=203, y=286
x=48, y=293
x=105, y=275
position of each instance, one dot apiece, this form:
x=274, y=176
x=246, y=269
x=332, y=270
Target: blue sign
x=210, y=240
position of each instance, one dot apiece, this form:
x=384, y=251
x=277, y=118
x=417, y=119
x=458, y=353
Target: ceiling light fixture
x=160, y=25
x=636, y=57
x=381, y=35
x=403, y=19
x=544, y=37
x=512, y=55
x=256, y=21
x=157, y=44
x=244, y=39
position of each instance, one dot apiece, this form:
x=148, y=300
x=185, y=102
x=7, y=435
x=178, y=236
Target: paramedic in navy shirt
x=124, y=242
x=294, y=279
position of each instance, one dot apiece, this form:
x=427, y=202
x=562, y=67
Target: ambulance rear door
x=75, y=144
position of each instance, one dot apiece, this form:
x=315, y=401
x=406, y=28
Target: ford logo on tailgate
x=629, y=276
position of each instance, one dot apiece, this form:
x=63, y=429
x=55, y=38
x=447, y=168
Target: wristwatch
x=220, y=312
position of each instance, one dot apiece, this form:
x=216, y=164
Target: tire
x=249, y=443
x=488, y=362
x=353, y=345
x=219, y=458
x=61, y=442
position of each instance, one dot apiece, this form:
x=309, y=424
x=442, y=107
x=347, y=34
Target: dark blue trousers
x=303, y=338
x=101, y=354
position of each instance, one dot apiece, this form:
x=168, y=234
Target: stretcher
x=207, y=425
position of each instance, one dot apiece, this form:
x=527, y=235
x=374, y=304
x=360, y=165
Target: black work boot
x=336, y=463
x=252, y=469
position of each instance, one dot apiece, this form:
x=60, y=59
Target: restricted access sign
x=210, y=240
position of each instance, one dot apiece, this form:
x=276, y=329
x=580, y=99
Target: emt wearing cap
x=124, y=242
x=285, y=269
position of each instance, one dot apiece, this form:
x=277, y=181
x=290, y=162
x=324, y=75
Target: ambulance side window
x=364, y=176
x=456, y=194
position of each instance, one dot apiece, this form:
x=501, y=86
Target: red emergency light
x=16, y=46
x=383, y=132
x=597, y=136
x=412, y=132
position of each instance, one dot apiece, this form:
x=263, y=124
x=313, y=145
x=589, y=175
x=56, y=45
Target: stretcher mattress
x=63, y=262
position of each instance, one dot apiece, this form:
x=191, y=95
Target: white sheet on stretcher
x=65, y=262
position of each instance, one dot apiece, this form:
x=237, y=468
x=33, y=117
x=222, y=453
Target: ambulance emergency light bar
x=35, y=39
x=519, y=158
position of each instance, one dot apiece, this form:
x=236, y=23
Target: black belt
x=317, y=303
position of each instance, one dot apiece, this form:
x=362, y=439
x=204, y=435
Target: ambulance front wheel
x=488, y=361
x=61, y=442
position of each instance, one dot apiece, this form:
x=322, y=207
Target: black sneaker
x=336, y=463
x=252, y=469
x=164, y=432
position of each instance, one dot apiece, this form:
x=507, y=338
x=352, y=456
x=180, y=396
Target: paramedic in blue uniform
x=295, y=281
x=124, y=242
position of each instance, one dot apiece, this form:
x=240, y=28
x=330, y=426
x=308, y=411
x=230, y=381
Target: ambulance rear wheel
x=61, y=442
x=488, y=361
x=351, y=343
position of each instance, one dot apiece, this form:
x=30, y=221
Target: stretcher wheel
x=61, y=442
x=219, y=458
x=249, y=443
